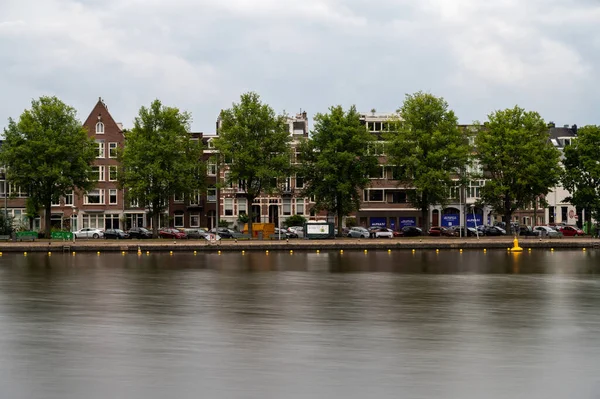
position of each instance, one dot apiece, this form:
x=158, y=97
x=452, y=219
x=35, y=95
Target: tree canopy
x=160, y=159
x=517, y=157
x=427, y=149
x=581, y=174
x=253, y=142
x=336, y=162
x=47, y=153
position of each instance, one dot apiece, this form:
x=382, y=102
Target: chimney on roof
x=566, y=126
x=574, y=128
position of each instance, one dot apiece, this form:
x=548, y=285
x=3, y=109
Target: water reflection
x=302, y=325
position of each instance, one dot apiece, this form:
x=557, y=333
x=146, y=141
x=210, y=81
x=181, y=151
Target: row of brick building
x=384, y=202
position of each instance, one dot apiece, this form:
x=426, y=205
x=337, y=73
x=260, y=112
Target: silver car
x=88, y=233
x=546, y=231
x=358, y=232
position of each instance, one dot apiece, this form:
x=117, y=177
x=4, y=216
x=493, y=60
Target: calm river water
x=302, y=325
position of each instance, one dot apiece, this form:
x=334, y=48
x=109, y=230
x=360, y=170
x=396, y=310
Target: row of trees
x=48, y=152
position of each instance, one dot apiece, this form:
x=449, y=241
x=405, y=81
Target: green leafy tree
x=581, y=174
x=427, y=150
x=336, y=162
x=160, y=159
x=255, y=144
x=517, y=157
x=48, y=154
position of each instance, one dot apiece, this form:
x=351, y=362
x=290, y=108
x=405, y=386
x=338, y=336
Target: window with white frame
x=378, y=173
x=228, y=206
x=299, y=182
x=287, y=206
x=99, y=128
x=195, y=198
x=178, y=219
x=178, y=197
x=98, y=172
x=94, y=197
x=242, y=206
x=16, y=191
x=112, y=150
x=112, y=173
x=93, y=221
x=212, y=169
x=112, y=196
x=194, y=220
x=2, y=188
x=211, y=194
x=57, y=203
x=474, y=188
x=373, y=195
x=69, y=199
x=100, y=149
x=299, y=206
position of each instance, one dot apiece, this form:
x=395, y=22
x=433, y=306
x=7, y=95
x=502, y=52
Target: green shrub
x=295, y=220
x=223, y=223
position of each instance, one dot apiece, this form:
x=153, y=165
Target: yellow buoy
x=318, y=251
x=365, y=251
x=341, y=251
x=389, y=251
x=194, y=252
x=219, y=252
x=243, y=252
x=529, y=249
x=516, y=247
x=551, y=249
x=291, y=251
x=98, y=253
x=583, y=248
x=267, y=251
x=484, y=250
x=73, y=253
x=25, y=253
x=413, y=251
x=437, y=250
x=122, y=252
x=49, y=253
x=147, y=252
x=170, y=252
x=460, y=250
x=139, y=253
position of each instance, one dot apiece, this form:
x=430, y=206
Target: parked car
x=88, y=233
x=225, y=232
x=571, y=231
x=459, y=231
x=358, y=232
x=494, y=231
x=116, y=234
x=195, y=233
x=171, y=233
x=139, y=232
x=298, y=230
x=382, y=232
x=547, y=231
x=284, y=233
x=528, y=231
x=410, y=231
x=439, y=231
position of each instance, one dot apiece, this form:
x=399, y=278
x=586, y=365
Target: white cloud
x=201, y=55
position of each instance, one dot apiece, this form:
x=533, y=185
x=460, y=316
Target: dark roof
x=556, y=132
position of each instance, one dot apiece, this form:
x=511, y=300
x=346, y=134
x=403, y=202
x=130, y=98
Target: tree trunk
x=48, y=220
x=250, y=200
x=424, y=213
x=507, y=213
x=155, y=216
x=339, y=222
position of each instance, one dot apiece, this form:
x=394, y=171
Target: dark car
x=440, y=231
x=171, y=233
x=224, y=232
x=494, y=231
x=410, y=231
x=527, y=231
x=460, y=231
x=139, y=232
x=196, y=233
x=115, y=234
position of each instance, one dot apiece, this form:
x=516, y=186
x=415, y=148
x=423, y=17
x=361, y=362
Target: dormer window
x=99, y=128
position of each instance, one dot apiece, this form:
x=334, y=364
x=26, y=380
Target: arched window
x=99, y=128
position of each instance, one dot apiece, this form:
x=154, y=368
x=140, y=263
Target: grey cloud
x=201, y=55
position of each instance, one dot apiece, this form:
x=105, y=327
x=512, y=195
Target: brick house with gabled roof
x=103, y=207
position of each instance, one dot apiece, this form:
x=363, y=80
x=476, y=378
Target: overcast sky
x=200, y=55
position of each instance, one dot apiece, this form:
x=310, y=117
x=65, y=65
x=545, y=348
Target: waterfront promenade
x=432, y=243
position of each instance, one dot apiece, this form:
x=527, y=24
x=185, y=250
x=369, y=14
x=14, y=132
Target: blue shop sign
x=408, y=222
x=471, y=221
x=379, y=222
x=451, y=219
